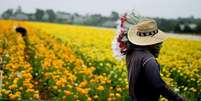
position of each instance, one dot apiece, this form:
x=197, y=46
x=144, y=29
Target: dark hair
x=154, y=49
x=21, y=30
x=131, y=47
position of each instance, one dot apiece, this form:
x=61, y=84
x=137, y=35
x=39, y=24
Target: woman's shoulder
x=146, y=57
x=141, y=55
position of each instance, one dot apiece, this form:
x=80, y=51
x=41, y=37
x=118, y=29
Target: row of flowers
x=45, y=68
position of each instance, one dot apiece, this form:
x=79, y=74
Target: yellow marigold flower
x=18, y=93
x=89, y=99
x=108, y=81
x=75, y=96
x=100, y=88
x=92, y=80
x=103, y=82
x=13, y=86
x=19, y=98
x=78, y=88
x=111, y=94
x=111, y=88
x=7, y=92
x=83, y=84
x=84, y=91
x=127, y=87
x=96, y=97
x=63, y=97
x=30, y=90
x=15, y=80
x=36, y=96
x=3, y=91
x=55, y=87
x=59, y=90
x=118, y=95
x=20, y=88
x=26, y=75
x=28, y=85
x=118, y=89
x=109, y=99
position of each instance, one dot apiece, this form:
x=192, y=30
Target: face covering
x=155, y=49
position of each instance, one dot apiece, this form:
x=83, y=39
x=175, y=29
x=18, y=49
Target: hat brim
x=145, y=40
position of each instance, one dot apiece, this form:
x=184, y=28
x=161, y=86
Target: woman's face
x=155, y=49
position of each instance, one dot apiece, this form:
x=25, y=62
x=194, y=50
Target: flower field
x=76, y=63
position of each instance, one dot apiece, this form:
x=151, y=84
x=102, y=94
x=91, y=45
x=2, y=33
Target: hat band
x=152, y=33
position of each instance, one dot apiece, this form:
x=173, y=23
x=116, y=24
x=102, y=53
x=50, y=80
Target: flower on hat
x=119, y=44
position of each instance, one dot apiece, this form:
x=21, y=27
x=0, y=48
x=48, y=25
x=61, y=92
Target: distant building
x=20, y=16
x=45, y=16
x=191, y=26
x=182, y=27
x=31, y=16
x=79, y=19
x=64, y=16
x=110, y=24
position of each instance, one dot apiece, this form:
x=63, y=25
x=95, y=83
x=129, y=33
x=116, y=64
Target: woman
x=145, y=83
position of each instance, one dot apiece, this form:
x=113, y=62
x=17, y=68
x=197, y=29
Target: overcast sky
x=152, y=8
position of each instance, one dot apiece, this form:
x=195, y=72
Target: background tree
x=39, y=14
x=51, y=15
x=187, y=29
x=114, y=16
x=18, y=10
x=177, y=28
x=94, y=19
x=198, y=28
x=7, y=14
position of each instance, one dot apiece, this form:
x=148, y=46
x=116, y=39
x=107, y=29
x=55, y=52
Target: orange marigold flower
x=68, y=93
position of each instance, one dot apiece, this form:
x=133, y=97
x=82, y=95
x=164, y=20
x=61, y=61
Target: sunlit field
x=71, y=62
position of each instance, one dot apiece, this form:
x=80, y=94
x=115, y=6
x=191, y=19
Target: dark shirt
x=145, y=83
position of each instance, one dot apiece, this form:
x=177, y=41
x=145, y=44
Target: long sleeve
x=152, y=74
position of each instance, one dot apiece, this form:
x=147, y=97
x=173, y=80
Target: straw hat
x=145, y=33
